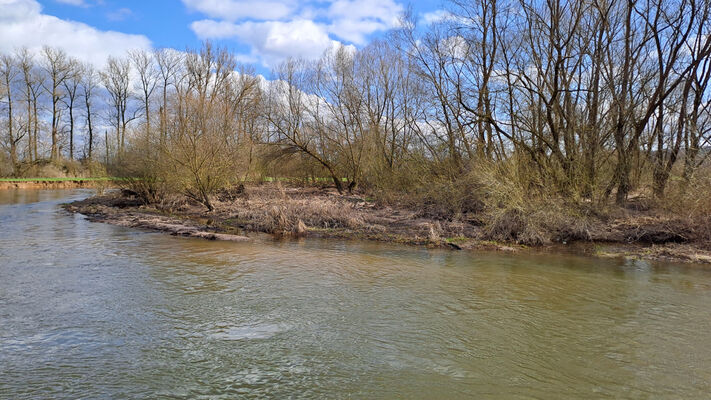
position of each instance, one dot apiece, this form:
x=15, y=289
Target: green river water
x=90, y=310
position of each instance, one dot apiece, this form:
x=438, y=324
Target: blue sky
x=261, y=33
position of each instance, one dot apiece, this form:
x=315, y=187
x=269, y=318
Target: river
x=90, y=310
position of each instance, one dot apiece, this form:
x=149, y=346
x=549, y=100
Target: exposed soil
x=319, y=212
x=122, y=211
x=40, y=184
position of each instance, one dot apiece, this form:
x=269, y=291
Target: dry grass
x=690, y=205
x=494, y=202
x=295, y=211
x=274, y=209
x=508, y=207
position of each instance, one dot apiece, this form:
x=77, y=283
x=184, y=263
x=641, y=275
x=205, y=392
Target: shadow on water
x=93, y=310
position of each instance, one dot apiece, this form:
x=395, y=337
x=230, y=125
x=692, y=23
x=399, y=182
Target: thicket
x=519, y=115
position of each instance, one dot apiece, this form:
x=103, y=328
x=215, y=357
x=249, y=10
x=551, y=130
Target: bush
x=691, y=201
x=93, y=168
x=5, y=165
x=504, y=198
x=542, y=222
x=142, y=177
x=418, y=185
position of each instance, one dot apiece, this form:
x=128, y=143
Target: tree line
x=583, y=99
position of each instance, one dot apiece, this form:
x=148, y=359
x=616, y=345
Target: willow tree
x=290, y=112
x=202, y=155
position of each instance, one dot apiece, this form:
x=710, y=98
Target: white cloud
x=354, y=30
x=384, y=11
x=233, y=10
x=442, y=16
x=437, y=16
x=271, y=41
x=120, y=15
x=72, y=2
x=81, y=3
x=277, y=29
x=210, y=29
x=454, y=46
x=23, y=24
x=355, y=20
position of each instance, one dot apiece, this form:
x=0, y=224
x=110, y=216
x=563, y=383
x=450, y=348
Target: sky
x=260, y=33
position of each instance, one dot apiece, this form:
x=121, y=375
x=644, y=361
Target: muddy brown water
x=90, y=310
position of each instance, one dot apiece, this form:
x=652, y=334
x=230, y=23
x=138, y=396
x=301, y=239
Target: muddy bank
x=49, y=184
x=116, y=210
x=315, y=212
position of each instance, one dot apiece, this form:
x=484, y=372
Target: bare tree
x=677, y=119
x=169, y=62
x=290, y=121
x=143, y=62
x=89, y=84
x=204, y=152
x=339, y=114
x=116, y=79
x=8, y=73
x=58, y=68
x=71, y=88
x=33, y=83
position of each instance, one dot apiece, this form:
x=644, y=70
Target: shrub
x=141, y=177
x=6, y=168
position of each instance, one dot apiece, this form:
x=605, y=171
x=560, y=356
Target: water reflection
x=92, y=310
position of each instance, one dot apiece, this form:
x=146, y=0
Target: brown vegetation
x=295, y=211
x=517, y=121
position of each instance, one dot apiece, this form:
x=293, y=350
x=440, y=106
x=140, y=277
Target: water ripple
x=91, y=310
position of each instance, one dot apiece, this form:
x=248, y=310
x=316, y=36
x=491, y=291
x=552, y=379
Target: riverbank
x=319, y=212
x=55, y=183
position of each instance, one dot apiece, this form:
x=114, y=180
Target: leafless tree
x=58, y=68
x=71, y=88
x=33, y=83
x=116, y=80
x=148, y=75
x=169, y=62
x=8, y=73
x=90, y=81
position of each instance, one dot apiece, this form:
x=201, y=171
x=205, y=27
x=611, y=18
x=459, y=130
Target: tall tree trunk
x=71, y=130
x=54, y=153
x=10, y=127
x=35, y=135
x=90, y=127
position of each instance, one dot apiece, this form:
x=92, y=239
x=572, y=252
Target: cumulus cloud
x=354, y=20
x=72, y=2
x=211, y=29
x=271, y=41
x=22, y=24
x=277, y=29
x=385, y=11
x=233, y=10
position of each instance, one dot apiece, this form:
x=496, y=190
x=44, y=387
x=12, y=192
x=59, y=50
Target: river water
x=90, y=310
